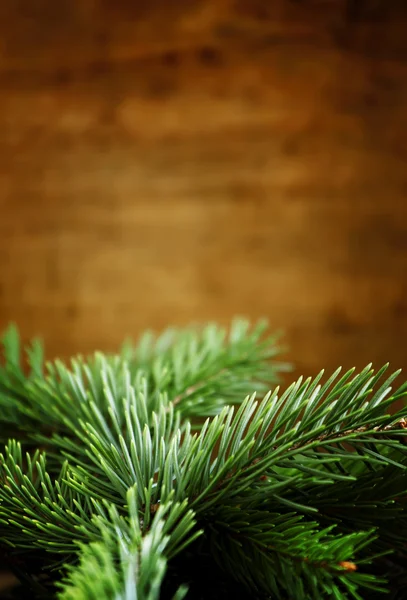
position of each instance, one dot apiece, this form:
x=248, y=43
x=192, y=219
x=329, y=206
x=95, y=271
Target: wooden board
x=173, y=162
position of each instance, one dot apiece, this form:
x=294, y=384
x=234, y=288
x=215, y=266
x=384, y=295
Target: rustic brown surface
x=175, y=161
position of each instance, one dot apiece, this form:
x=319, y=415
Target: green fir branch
x=109, y=474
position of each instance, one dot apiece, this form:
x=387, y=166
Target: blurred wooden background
x=168, y=161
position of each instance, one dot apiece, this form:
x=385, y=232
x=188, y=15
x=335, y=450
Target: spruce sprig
x=116, y=468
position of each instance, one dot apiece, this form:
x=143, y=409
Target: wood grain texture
x=167, y=162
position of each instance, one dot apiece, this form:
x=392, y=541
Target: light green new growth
x=119, y=472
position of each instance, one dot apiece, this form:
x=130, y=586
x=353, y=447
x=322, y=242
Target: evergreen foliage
x=157, y=473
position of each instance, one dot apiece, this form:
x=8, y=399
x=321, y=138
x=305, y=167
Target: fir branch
x=271, y=542
x=290, y=493
x=199, y=371
x=126, y=564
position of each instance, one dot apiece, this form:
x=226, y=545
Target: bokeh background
x=169, y=161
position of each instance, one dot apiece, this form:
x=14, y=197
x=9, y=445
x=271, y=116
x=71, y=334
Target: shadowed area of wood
x=167, y=162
